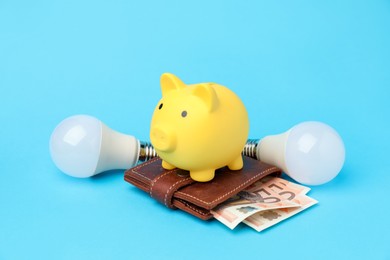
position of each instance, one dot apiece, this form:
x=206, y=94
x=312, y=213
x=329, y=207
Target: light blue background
x=289, y=61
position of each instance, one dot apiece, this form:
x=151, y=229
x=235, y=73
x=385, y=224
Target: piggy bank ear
x=170, y=82
x=208, y=95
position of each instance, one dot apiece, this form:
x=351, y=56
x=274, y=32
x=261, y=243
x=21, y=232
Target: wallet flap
x=161, y=184
x=164, y=186
x=225, y=184
x=175, y=189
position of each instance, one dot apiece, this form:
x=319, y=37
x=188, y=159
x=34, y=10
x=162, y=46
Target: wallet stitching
x=143, y=165
x=134, y=170
x=231, y=191
x=193, y=208
x=155, y=180
x=141, y=175
x=170, y=188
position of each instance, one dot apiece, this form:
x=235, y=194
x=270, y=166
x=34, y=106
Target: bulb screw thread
x=146, y=152
x=250, y=148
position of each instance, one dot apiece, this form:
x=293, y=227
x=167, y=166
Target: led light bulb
x=82, y=146
x=311, y=153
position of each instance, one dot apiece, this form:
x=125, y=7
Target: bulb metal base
x=146, y=152
x=250, y=148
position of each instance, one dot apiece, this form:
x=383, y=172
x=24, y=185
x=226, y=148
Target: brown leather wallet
x=175, y=189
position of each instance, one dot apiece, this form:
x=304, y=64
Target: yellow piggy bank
x=199, y=127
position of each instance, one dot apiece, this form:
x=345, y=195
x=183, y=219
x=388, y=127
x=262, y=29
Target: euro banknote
x=264, y=204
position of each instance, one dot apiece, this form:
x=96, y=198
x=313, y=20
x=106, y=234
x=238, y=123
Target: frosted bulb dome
x=314, y=153
x=83, y=146
x=75, y=145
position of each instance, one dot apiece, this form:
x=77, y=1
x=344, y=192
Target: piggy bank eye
x=160, y=106
x=184, y=113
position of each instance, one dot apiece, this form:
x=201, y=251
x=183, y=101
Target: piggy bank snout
x=163, y=139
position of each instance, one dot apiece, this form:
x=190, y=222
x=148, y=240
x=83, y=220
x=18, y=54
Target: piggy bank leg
x=202, y=176
x=167, y=165
x=236, y=164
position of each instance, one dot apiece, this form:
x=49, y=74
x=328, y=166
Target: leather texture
x=175, y=189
